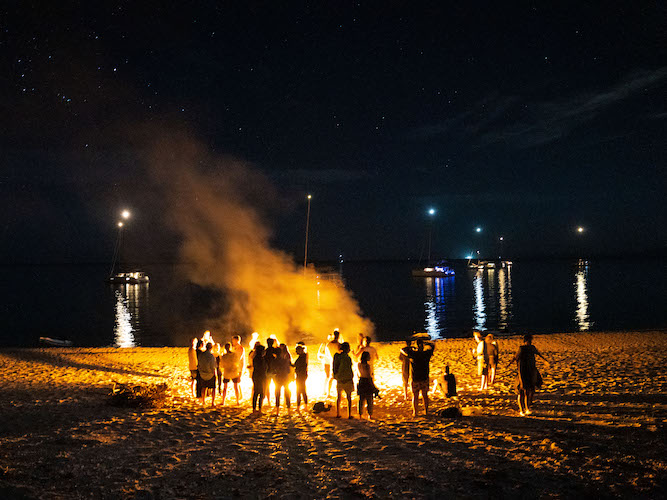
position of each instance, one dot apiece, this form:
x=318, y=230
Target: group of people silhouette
x=213, y=367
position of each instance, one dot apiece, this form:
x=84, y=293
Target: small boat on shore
x=55, y=342
x=128, y=278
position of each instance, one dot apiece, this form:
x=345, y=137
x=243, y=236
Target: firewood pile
x=137, y=396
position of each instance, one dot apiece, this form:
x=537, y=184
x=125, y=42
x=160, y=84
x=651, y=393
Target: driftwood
x=137, y=396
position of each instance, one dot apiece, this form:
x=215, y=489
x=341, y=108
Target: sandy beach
x=597, y=429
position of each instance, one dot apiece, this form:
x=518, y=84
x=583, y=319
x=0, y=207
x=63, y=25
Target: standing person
x=342, y=372
x=283, y=368
x=420, y=359
x=270, y=356
x=207, y=374
x=206, y=338
x=528, y=378
x=332, y=349
x=192, y=365
x=230, y=372
x=239, y=352
x=492, y=352
x=405, y=363
x=366, y=386
x=482, y=354
x=323, y=357
x=367, y=347
x=301, y=371
x=360, y=344
x=254, y=338
x=258, y=377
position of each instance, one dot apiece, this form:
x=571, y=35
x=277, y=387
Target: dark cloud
x=520, y=124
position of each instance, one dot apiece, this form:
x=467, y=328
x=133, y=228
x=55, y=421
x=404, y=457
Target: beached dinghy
x=55, y=342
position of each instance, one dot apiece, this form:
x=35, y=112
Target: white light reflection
x=123, y=332
x=479, y=307
x=437, y=290
x=581, y=289
x=504, y=297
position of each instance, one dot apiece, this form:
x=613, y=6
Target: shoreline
x=597, y=429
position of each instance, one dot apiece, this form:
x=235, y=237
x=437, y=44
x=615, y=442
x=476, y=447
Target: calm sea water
x=73, y=302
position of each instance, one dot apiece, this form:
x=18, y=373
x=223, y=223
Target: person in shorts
x=230, y=372
x=342, y=372
x=420, y=359
x=207, y=372
x=193, y=365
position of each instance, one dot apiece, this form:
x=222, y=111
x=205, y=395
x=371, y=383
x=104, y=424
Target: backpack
x=320, y=407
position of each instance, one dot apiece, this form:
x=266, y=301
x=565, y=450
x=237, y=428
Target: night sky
x=526, y=119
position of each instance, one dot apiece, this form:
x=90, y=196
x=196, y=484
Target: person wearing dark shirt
x=258, y=377
x=271, y=354
x=301, y=371
x=342, y=372
x=528, y=377
x=207, y=373
x=283, y=376
x=420, y=359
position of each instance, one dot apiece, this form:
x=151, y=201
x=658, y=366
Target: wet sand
x=597, y=429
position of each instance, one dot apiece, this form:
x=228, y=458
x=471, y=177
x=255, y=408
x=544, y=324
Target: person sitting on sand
x=207, y=374
x=301, y=371
x=420, y=359
x=332, y=349
x=342, y=372
x=230, y=372
x=405, y=363
x=446, y=383
x=258, y=377
x=528, y=378
x=283, y=369
x=366, y=387
x=193, y=365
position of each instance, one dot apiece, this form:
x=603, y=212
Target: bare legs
x=203, y=396
x=415, y=400
x=349, y=403
x=525, y=400
x=368, y=402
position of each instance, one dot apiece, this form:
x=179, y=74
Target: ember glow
x=226, y=243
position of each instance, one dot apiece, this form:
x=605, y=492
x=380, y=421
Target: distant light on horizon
x=431, y=211
x=120, y=224
x=478, y=229
x=309, y=196
x=580, y=229
x=125, y=214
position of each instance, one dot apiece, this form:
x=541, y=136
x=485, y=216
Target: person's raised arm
x=538, y=353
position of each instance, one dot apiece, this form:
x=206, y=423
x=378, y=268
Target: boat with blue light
x=436, y=271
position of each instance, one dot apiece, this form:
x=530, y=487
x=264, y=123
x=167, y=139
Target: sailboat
x=125, y=278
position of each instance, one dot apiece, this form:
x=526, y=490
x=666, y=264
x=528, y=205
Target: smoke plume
x=218, y=205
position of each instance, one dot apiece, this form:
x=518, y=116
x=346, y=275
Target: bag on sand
x=450, y=412
x=320, y=407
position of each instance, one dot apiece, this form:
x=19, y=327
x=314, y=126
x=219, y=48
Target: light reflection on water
x=489, y=306
x=130, y=311
x=504, y=297
x=478, y=305
x=581, y=292
x=438, y=292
